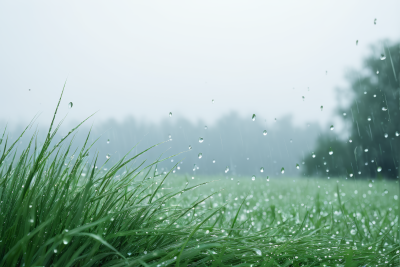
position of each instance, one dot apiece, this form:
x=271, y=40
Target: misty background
x=294, y=64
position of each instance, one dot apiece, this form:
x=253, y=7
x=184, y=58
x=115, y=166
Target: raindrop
x=226, y=169
x=283, y=170
x=385, y=191
x=55, y=250
x=170, y=114
x=313, y=155
x=212, y=101
x=261, y=169
x=386, y=135
x=379, y=169
x=383, y=57
x=129, y=253
x=374, y=21
x=324, y=162
x=213, y=160
x=350, y=140
x=351, y=175
x=70, y=105
x=303, y=97
x=108, y=141
x=369, y=118
x=377, y=71
x=205, y=127
x=65, y=241
x=344, y=114
x=397, y=133
x=356, y=42
x=359, y=172
x=366, y=150
x=190, y=147
x=322, y=107
x=330, y=151
x=291, y=141
x=297, y=166
x=374, y=95
x=200, y=155
x=253, y=177
x=332, y=128
x=384, y=108
x=201, y=140
x=327, y=170
x=265, y=132
x=353, y=232
x=253, y=117
x=108, y=156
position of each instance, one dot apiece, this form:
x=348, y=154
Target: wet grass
x=58, y=208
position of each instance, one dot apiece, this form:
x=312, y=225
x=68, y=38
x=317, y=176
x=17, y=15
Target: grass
x=58, y=208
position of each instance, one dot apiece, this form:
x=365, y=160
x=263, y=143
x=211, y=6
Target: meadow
x=58, y=208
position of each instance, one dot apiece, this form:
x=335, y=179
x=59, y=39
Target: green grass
x=58, y=209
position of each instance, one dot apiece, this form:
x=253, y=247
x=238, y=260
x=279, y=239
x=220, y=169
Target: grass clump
x=58, y=209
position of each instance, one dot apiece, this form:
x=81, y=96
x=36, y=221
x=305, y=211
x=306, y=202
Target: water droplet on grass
x=108, y=156
x=397, y=133
x=213, y=161
x=379, y=169
x=377, y=71
x=190, y=147
x=386, y=135
x=253, y=177
x=332, y=128
x=313, y=155
x=297, y=166
x=261, y=169
x=200, y=155
x=322, y=107
x=212, y=101
x=384, y=108
x=201, y=140
x=344, y=114
x=351, y=175
x=283, y=170
x=369, y=118
x=253, y=117
x=70, y=105
x=330, y=151
x=366, y=150
x=265, y=132
x=55, y=250
x=108, y=141
x=383, y=57
x=226, y=169
x=303, y=98
x=170, y=114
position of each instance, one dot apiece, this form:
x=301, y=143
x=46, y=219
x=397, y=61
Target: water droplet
x=226, y=169
x=327, y=170
x=359, y=172
x=31, y=220
x=303, y=98
x=283, y=170
x=205, y=127
x=356, y=42
x=384, y=108
x=291, y=141
x=353, y=231
x=65, y=241
x=377, y=71
x=213, y=160
x=330, y=151
x=70, y=105
x=212, y=101
x=379, y=169
x=366, y=150
x=344, y=114
x=201, y=140
x=108, y=156
x=313, y=155
x=324, y=162
x=332, y=128
x=397, y=133
x=322, y=107
x=297, y=166
x=200, y=155
x=190, y=147
x=253, y=117
x=386, y=135
x=55, y=250
x=374, y=21
x=265, y=132
x=369, y=118
x=108, y=141
x=383, y=57
x=170, y=114
x=261, y=169
x=129, y=253
x=350, y=140
x=253, y=177
x=374, y=95
x=386, y=191
x=351, y=175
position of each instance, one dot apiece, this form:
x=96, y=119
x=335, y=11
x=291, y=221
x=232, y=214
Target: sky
x=148, y=58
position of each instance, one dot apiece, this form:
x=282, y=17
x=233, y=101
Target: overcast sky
x=149, y=58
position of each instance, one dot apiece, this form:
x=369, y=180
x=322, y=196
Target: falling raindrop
x=265, y=132
x=322, y=107
x=383, y=57
x=332, y=128
x=384, y=108
x=356, y=42
x=226, y=169
x=108, y=141
x=70, y=105
x=200, y=155
x=190, y=147
x=108, y=156
x=253, y=117
x=253, y=177
x=201, y=140
x=313, y=155
x=283, y=170
x=330, y=151
x=297, y=166
x=374, y=21
x=386, y=135
x=261, y=169
x=170, y=114
x=379, y=169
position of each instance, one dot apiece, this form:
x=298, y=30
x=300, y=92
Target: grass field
x=58, y=208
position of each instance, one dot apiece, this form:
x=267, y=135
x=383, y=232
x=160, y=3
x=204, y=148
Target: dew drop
x=397, y=133
x=200, y=155
x=322, y=107
x=108, y=156
x=366, y=150
x=129, y=253
x=226, y=169
x=377, y=71
x=205, y=127
x=356, y=42
x=351, y=175
x=213, y=161
x=330, y=151
x=283, y=170
x=70, y=105
x=190, y=147
x=253, y=117
x=344, y=114
x=212, y=101
x=383, y=57
x=374, y=21
x=265, y=132
x=297, y=166
x=379, y=169
x=303, y=98
x=108, y=141
x=386, y=135
x=353, y=231
x=324, y=162
x=332, y=128
x=384, y=108
x=261, y=169
x=313, y=155
x=350, y=140
x=170, y=114
x=253, y=177
x=55, y=250
x=201, y=140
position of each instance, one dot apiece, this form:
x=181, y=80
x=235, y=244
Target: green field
x=58, y=208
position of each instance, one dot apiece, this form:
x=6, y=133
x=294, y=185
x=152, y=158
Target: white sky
x=147, y=58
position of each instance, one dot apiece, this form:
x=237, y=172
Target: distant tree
x=370, y=144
